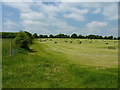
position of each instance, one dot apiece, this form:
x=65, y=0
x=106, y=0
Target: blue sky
x=63, y=17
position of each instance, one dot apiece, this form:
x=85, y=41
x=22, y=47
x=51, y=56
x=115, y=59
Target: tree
x=80, y=36
x=40, y=36
x=115, y=38
x=105, y=37
x=0, y=35
x=118, y=38
x=61, y=36
x=51, y=36
x=35, y=35
x=8, y=35
x=45, y=36
x=100, y=37
x=30, y=36
x=110, y=37
x=74, y=35
x=91, y=36
x=22, y=40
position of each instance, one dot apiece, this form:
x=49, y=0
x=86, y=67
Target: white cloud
x=24, y=7
x=111, y=12
x=34, y=16
x=42, y=20
x=10, y=26
x=93, y=4
x=94, y=27
x=96, y=24
x=79, y=11
x=74, y=16
x=48, y=18
x=112, y=31
x=98, y=10
x=54, y=10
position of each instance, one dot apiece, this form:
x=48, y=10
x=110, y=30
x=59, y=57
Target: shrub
x=30, y=36
x=35, y=35
x=22, y=40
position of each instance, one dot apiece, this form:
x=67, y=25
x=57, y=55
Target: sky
x=99, y=18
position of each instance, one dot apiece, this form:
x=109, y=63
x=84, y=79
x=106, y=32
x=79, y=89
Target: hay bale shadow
x=32, y=50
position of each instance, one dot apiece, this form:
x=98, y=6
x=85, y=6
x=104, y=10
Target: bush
x=22, y=40
x=30, y=36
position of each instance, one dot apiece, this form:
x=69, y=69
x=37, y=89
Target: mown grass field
x=61, y=65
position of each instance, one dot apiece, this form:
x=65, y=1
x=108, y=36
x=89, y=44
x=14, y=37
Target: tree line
x=74, y=35
x=23, y=38
x=8, y=35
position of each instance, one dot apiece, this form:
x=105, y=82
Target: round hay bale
x=80, y=42
x=106, y=43
x=55, y=42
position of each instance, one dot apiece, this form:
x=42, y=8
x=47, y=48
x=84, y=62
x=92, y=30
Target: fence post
x=10, y=49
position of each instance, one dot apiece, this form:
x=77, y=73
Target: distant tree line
x=74, y=35
x=7, y=35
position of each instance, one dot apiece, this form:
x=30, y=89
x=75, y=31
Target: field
x=64, y=64
x=0, y=63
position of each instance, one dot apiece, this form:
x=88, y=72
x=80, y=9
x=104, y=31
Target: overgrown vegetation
x=23, y=39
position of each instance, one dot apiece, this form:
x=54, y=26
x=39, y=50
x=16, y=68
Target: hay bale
x=90, y=41
x=106, y=43
x=80, y=42
x=40, y=40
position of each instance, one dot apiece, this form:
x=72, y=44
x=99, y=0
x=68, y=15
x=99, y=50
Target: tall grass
x=6, y=48
x=49, y=67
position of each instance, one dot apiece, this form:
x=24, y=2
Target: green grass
x=0, y=64
x=61, y=65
